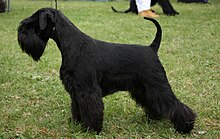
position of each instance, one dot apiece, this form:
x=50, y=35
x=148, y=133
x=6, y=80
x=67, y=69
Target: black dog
x=92, y=69
x=165, y=4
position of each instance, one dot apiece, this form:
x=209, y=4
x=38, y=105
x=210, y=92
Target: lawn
x=34, y=104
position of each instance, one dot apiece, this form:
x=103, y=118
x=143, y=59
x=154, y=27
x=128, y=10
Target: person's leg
x=144, y=10
x=143, y=5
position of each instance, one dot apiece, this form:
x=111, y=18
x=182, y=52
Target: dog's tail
x=156, y=42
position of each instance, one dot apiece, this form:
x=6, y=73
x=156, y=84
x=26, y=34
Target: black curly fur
x=92, y=69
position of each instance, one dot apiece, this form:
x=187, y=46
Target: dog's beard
x=31, y=43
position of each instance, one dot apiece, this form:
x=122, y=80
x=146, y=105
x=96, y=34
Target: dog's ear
x=43, y=20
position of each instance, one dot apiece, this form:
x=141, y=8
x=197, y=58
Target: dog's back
x=121, y=65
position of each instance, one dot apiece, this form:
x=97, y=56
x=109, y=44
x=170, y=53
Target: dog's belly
x=112, y=83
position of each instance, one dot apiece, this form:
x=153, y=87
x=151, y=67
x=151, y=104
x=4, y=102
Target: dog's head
x=35, y=31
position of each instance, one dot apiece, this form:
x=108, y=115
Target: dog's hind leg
x=159, y=101
x=141, y=96
x=91, y=110
x=162, y=102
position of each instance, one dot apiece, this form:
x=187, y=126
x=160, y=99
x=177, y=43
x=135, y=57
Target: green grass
x=34, y=104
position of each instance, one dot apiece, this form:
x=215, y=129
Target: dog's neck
x=64, y=31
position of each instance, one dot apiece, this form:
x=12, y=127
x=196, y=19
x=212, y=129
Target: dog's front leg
x=75, y=109
x=91, y=110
